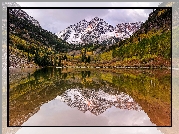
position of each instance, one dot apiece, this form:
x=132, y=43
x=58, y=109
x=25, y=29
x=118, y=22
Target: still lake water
x=90, y=97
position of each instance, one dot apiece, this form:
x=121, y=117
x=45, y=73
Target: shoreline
x=19, y=69
x=116, y=67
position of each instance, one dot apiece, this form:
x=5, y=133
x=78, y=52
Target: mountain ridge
x=97, y=31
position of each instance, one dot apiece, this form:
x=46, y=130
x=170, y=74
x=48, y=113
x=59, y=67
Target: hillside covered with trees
x=31, y=45
x=29, y=41
x=149, y=46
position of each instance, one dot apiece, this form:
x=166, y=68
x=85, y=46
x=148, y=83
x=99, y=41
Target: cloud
x=56, y=20
x=127, y=15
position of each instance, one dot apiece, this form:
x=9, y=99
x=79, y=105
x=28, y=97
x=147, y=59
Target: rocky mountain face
x=23, y=15
x=97, y=31
x=158, y=19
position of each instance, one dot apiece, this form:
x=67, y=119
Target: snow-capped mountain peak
x=97, y=31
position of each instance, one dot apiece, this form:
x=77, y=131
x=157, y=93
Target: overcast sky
x=56, y=20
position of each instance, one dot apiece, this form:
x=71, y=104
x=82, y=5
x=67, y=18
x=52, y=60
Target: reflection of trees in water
x=64, y=76
x=97, y=102
x=46, y=84
x=44, y=72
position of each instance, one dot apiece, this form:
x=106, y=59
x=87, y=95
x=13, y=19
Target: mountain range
x=95, y=40
x=97, y=31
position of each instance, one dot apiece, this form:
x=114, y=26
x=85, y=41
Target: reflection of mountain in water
x=97, y=102
x=94, y=91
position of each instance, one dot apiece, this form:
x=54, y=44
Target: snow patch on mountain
x=97, y=31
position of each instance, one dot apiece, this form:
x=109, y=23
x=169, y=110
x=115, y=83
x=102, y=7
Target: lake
x=90, y=97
